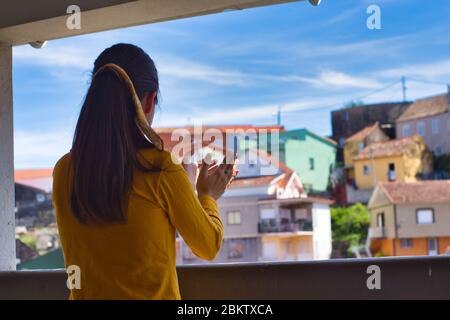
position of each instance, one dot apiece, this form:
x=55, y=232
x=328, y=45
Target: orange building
x=410, y=219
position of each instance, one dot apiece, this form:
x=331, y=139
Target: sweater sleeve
x=196, y=218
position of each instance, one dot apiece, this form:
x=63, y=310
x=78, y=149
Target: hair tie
x=141, y=120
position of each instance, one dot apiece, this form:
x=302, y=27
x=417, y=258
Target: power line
x=427, y=81
x=404, y=88
x=342, y=103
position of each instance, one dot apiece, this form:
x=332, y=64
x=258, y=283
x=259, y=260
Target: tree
x=350, y=226
x=353, y=103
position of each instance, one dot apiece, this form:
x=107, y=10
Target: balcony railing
x=272, y=226
x=400, y=278
x=377, y=232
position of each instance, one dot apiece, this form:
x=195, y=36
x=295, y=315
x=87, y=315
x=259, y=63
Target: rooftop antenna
x=279, y=116
x=404, y=88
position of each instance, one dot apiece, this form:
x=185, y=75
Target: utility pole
x=404, y=88
x=279, y=116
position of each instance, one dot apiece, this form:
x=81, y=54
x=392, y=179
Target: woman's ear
x=149, y=103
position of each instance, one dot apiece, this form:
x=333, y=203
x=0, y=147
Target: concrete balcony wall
x=401, y=278
x=377, y=232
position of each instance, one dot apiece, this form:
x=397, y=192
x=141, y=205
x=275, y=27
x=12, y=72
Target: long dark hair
x=106, y=139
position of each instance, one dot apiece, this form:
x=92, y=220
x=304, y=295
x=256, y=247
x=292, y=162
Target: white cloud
x=339, y=79
x=34, y=149
x=188, y=69
x=54, y=57
x=430, y=71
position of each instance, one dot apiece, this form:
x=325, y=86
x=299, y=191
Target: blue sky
x=237, y=67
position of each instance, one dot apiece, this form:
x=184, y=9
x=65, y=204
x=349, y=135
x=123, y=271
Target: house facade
x=401, y=160
x=33, y=197
x=348, y=121
x=270, y=217
x=311, y=156
x=357, y=142
x=430, y=119
x=232, y=137
x=409, y=219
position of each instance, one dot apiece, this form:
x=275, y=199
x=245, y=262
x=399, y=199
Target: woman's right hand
x=214, y=181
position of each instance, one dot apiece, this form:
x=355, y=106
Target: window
x=406, y=130
x=424, y=216
x=40, y=197
x=391, y=172
x=435, y=126
x=366, y=170
x=188, y=254
x=267, y=213
x=308, y=187
x=311, y=163
x=380, y=220
x=406, y=243
x=420, y=129
x=437, y=150
x=361, y=146
x=233, y=217
x=235, y=249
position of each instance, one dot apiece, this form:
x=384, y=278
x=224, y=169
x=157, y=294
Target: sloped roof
x=436, y=191
x=426, y=107
x=281, y=179
x=252, y=181
x=221, y=128
x=37, y=178
x=27, y=174
x=388, y=148
x=290, y=134
x=361, y=135
x=166, y=132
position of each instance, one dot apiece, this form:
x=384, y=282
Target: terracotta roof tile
x=389, y=148
x=436, y=191
x=252, y=181
x=361, y=135
x=426, y=107
x=220, y=127
x=36, y=178
x=32, y=174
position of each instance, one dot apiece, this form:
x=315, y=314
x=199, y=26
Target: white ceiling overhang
x=24, y=21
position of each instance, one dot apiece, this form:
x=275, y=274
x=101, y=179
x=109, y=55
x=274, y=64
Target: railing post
x=7, y=230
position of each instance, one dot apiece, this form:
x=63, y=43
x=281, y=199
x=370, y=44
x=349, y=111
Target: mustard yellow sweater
x=136, y=260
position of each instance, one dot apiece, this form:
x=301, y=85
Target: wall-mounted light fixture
x=315, y=2
x=38, y=44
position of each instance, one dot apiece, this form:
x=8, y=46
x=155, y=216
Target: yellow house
x=400, y=160
x=357, y=142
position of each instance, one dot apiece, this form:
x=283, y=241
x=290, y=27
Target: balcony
x=401, y=278
x=377, y=232
x=271, y=226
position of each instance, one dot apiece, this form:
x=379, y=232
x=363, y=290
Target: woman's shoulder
x=160, y=159
x=62, y=162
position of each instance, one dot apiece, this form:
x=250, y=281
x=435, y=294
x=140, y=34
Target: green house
x=311, y=156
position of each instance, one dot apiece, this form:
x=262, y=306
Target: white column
x=7, y=203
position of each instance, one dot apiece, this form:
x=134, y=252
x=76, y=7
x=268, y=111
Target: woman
x=119, y=198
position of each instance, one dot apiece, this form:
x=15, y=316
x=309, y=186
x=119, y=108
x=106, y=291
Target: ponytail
x=104, y=150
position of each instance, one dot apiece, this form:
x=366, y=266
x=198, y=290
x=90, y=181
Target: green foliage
x=353, y=103
x=350, y=224
x=28, y=239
